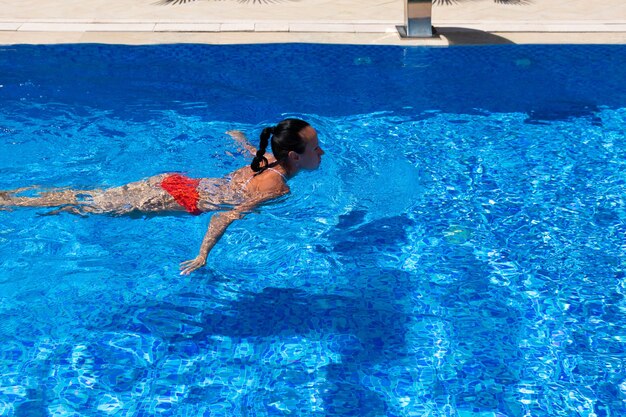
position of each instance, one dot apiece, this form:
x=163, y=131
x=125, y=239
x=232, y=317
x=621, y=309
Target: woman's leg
x=45, y=199
x=144, y=196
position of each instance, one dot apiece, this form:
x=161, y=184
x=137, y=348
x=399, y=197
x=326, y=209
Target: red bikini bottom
x=184, y=190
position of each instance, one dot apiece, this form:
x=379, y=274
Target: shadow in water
x=365, y=324
x=546, y=115
x=365, y=241
x=35, y=406
x=364, y=330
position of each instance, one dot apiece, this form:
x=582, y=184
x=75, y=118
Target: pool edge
x=447, y=36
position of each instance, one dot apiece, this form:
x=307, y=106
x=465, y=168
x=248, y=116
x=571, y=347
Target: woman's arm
x=218, y=225
x=241, y=139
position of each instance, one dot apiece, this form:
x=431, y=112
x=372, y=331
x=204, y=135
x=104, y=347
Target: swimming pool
x=459, y=253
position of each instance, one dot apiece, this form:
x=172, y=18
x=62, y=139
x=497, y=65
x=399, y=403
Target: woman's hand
x=188, y=267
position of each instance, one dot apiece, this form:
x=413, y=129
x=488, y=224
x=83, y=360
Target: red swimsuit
x=184, y=190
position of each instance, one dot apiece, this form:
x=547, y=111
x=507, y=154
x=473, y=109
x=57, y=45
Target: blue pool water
x=459, y=253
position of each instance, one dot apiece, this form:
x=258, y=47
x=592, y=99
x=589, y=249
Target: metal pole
x=418, y=19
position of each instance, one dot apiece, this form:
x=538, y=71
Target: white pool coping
x=304, y=26
x=334, y=21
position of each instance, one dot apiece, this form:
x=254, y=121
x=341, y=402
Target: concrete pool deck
x=325, y=21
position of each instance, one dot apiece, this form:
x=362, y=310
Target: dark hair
x=285, y=138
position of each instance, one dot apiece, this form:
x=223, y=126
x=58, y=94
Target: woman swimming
x=295, y=147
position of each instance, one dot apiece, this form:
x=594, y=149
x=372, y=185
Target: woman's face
x=312, y=156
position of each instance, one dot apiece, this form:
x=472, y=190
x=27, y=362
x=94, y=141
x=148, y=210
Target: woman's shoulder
x=269, y=182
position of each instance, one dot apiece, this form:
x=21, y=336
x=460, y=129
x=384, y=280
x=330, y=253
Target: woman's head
x=294, y=143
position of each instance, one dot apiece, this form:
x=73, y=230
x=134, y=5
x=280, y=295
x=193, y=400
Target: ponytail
x=260, y=162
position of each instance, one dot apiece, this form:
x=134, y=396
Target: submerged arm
x=218, y=225
x=242, y=140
